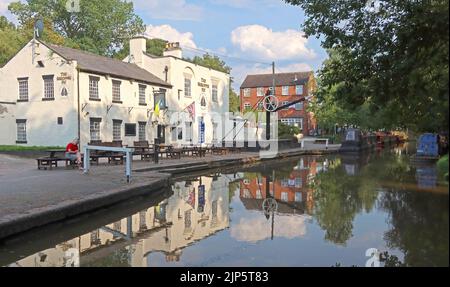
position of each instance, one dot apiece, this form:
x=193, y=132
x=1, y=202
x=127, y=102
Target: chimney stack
x=173, y=50
x=138, y=46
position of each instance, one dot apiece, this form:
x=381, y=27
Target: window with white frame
x=142, y=89
x=142, y=131
x=298, y=197
x=247, y=106
x=116, y=91
x=94, y=129
x=189, y=131
x=261, y=106
x=247, y=92
x=298, y=182
x=117, y=130
x=299, y=90
x=93, y=88
x=23, y=89
x=21, y=131
x=49, y=87
x=298, y=122
x=187, y=87
x=284, y=197
x=260, y=92
x=215, y=131
x=215, y=93
x=285, y=91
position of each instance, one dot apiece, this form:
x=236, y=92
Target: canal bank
x=30, y=198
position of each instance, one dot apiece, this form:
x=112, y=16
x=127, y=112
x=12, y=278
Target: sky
x=247, y=34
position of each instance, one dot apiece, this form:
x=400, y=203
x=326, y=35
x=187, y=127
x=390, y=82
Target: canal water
x=344, y=210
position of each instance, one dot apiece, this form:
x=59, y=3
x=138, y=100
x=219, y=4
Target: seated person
x=72, y=152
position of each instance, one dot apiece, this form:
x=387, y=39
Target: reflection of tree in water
x=419, y=226
x=338, y=197
x=118, y=258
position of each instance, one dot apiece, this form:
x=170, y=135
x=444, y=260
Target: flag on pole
x=157, y=109
x=191, y=110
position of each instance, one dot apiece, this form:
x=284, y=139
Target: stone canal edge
x=14, y=225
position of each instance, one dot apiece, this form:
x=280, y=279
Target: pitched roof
x=89, y=62
x=284, y=79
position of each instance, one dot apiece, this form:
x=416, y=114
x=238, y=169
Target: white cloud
x=239, y=72
x=258, y=228
x=167, y=32
x=4, y=6
x=263, y=43
x=169, y=9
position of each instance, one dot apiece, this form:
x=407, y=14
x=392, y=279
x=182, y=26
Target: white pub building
x=51, y=94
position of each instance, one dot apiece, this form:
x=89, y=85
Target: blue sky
x=247, y=31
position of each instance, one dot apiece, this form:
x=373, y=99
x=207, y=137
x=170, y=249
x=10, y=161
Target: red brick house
x=289, y=87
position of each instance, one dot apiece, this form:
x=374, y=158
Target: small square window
x=130, y=130
x=60, y=120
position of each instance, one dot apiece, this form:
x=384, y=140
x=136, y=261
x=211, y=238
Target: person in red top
x=73, y=153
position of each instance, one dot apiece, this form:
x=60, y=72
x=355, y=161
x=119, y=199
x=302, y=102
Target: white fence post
x=128, y=152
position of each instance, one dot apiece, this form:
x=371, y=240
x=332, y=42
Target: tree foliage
x=391, y=56
x=101, y=27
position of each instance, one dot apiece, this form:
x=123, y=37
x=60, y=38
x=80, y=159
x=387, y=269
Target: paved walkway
x=26, y=192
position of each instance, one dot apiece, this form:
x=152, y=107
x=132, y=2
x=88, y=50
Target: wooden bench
x=143, y=149
x=113, y=157
x=171, y=152
x=50, y=163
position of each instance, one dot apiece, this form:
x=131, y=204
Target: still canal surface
x=310, y=211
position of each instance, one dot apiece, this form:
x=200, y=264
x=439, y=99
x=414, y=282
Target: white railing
x=127, y=151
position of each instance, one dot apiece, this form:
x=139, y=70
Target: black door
x=162, y=134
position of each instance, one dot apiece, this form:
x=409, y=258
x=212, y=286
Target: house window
x=59, y=120
x=142, y=131
x=49, y=87
x=189, y=131
x=247, y=92
x=298, y=197
x=260, y=92
x=142, y=89
x=94, y=129
x=259, y=194
x=215, y=131
x=21, y=131
x=93, y=88
x=173, y=132
x=285, y=91
x=23, y=89
x=117, y=130
x=130, y=130
x=247, y=106
x=284, y=197
x=116, y=91
x=298, y=122
x=299, y=90
x=260, y=106
x=215, y=93
x=187, y=87
x=299, y=106
x=298, y=182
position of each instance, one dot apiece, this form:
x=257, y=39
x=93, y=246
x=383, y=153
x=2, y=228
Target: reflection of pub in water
x=291, y=191
x=197, y=209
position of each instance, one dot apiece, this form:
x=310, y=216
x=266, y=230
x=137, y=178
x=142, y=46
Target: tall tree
x=393, y=56
x=101, y=26
x=13, y=38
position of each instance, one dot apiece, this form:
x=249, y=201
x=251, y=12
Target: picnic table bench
x=51, y=161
